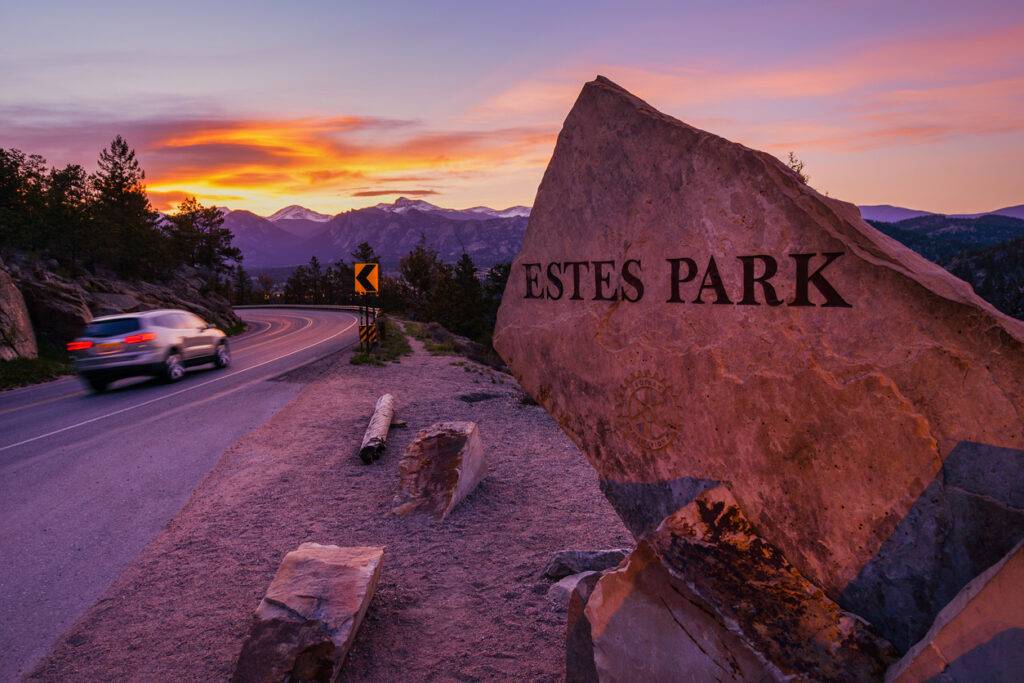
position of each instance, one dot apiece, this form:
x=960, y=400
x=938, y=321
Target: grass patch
x=394, y=346
x=21, y=372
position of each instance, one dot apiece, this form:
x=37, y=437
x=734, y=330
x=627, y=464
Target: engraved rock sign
x=692, y=314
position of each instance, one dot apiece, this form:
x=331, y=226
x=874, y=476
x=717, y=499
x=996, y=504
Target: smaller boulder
x=307, y=622
x=568, y=562
x=703, y=597
x=559, y=593
x=442, y=465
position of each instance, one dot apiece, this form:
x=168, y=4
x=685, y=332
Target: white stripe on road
x=176, y=393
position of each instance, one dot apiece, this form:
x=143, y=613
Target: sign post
x=366, y=286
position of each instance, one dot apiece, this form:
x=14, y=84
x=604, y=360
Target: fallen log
x=376, y=436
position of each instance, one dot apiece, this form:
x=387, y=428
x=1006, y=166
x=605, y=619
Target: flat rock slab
x=308, y=619
x=979, y=636
x=441, y=466
x=692, y=314
x=705, y=598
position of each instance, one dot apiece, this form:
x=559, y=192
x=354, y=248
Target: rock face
x=17, y=340
x=979, y=636
x=692, y=314
x=440, y=467
x=704, y=598
x=60, y=306
x=305, y=625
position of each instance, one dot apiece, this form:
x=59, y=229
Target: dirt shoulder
x=460, y=600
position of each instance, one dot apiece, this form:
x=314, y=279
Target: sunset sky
x=339, y=105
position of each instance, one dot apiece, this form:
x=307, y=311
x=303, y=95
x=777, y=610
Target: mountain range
x=294, y=234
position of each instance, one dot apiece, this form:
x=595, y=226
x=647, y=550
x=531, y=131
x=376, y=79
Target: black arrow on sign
x=363, y=277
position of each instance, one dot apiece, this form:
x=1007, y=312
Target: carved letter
x=576, y=276
x=712, y=280
x=691, y=272
x=770, y=268
x=804, y=277
x=602, y=280
x=553, y=279
x=633, y=280
x=531, y=280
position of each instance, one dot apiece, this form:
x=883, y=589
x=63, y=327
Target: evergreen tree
x=129, y=240
x=468, y=303
x=364, y=253
x=67, y=212
x=264, y=288
x=21, y=198
x=199, y=238
x=241, y=286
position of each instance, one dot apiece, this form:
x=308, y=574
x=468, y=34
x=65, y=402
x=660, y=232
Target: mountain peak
x=296, y=212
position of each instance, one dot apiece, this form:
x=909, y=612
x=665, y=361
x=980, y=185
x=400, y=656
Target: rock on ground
x=442, y=465
x=308, y=619
x=979, y=636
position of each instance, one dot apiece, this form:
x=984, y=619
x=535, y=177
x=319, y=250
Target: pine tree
x=129, y=241
x=200, y=239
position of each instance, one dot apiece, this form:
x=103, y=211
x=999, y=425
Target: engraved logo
x=647, y=410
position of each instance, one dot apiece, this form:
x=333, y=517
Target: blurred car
x=160, y=343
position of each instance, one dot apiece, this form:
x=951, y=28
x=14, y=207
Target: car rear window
x=111, y=328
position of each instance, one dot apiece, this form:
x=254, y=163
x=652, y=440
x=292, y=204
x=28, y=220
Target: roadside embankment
x=462, y=599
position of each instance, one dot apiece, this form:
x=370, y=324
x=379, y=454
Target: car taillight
x=137, y=338
x=79, y=345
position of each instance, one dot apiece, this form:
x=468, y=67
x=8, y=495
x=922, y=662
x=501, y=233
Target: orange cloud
x=302, y=157
x=396, y=193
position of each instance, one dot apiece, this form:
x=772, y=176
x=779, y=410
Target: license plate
x=109, y=347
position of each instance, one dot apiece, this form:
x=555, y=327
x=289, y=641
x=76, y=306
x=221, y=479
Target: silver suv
x=160, y=343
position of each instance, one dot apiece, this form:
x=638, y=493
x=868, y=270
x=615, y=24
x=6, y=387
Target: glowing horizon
x=916, y=105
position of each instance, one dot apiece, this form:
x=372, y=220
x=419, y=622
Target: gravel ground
x=460, y=600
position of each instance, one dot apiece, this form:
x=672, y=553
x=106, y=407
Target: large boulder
x=17, y=339
x=691, y=314
x=441, y=466
x=704, y=598
x=308, y=619
x=978, y=636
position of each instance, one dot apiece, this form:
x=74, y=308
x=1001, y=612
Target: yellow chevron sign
x=366, y=278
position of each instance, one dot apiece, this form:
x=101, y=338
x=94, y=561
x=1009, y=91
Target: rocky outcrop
x=978, y=636
x=692, y=314
x=60, y=305
x=17, y=339
x=704, y=598
x=441, y=466
x=307, y=622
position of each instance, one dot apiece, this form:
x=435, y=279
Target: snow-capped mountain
x=404, y=205
x=298, y=213
x=288, y=238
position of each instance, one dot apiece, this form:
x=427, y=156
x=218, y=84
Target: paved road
x=86, y=481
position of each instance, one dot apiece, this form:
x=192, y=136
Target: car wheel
x=174, y=368
x=97, y=385
x=222, y=357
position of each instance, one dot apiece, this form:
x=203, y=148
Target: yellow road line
x=39, y=403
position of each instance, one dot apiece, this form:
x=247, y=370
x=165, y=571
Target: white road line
x=176, y=393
